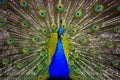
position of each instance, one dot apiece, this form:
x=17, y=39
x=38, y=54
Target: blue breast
x=59, y=66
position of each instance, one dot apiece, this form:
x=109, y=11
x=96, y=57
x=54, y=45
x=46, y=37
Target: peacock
x=59, y=39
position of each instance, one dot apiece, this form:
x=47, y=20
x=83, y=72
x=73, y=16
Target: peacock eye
x=77, y=70
x=2, y=2
x=20, y=65
x=92, y=52
x=43, y=52
x=42, y=13
x=60, y=7
x=10, y=41
x=115, y=62
x=64, y=26
x=26, y=50
x=24, y=24
x=78, y=14
x=99, y=8
x=40, y=67
x=2, y=22
x=73, y=31
x=95, y=28
x=45, y=31
x=117, y=29
x=118, y=8
x=35, y=39
x=109, y=44
x=6, y=61
x=53, y=26
x=78, y=78
x=23, y=4
x=83, y=40
x=99, y=68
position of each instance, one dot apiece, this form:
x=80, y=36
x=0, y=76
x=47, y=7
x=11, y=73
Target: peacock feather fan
x=29, y=39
